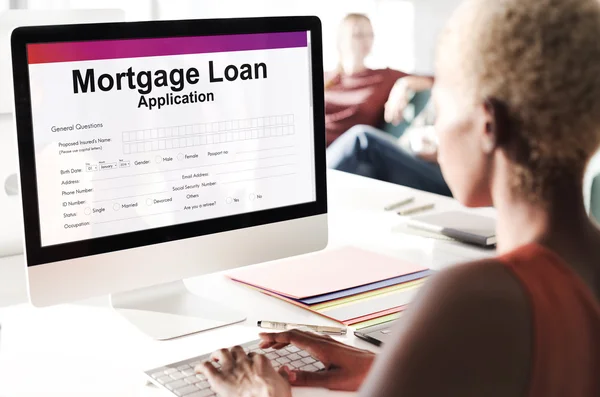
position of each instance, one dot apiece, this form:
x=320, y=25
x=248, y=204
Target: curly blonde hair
x=541, y=59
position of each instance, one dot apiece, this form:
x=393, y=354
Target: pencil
x=414, y=210
x=399, y=204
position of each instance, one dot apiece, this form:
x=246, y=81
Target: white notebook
x=462, y=226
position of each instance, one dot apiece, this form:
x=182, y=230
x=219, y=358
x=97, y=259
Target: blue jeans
x=367, y=151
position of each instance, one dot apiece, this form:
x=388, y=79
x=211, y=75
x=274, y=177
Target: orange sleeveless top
x=566, y=325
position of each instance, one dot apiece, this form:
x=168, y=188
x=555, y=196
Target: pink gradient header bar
x=138, y=48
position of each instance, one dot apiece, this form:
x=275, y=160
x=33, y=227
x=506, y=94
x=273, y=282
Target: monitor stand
x=168, y=311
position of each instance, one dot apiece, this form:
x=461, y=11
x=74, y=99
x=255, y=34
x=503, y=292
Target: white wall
x=403, y=42
x=430, y=18
x=392, y=20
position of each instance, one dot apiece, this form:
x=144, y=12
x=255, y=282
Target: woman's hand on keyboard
x=243, y=375
x=346, y=367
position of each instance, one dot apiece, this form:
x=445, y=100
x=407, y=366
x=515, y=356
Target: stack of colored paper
x=349, y=285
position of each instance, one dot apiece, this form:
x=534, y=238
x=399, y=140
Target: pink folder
x=324, y=272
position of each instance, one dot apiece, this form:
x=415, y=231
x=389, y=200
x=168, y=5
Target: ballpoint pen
x=322, y=329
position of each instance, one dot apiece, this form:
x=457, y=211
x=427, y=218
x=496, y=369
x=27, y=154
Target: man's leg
x=366, y=151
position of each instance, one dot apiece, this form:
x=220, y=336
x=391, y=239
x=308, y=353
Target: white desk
x=86, y=349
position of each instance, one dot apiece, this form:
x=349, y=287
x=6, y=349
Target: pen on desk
x=322, y=329
x=414, y=210
x=399, y=204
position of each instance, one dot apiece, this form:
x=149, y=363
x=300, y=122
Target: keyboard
x=181, y=380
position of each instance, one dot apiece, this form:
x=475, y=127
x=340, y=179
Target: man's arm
x=468, y=335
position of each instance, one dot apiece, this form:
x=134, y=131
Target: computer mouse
x=11, y=185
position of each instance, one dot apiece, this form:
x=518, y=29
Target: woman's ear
x=497, y=131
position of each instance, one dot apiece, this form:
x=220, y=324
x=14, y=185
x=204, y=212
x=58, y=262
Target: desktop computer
x=151, y=152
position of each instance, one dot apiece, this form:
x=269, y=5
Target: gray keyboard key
x=189, y=389
x=178, y=375
x=304, y=354
x=182, y=367
x=169, y=371
x=292, y=349
x=297, y=364
x=272, y=356
x=294, y=357
x=189, y=372
x=319, y=365
x=176, y=385
x=203, y=384
x=309, y=368
x=160, y=372
x=164, y=379
x=191, y=379
x=200, y=377
x=283, y=360
x=308, y=360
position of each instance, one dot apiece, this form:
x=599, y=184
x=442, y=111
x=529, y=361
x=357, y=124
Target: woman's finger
x=388, y=111
x=238, y=354
x=264, y=344
x=209, y=370
x=262, y=364
x=398, y=115
x=224, y=357
x=279, y=346
x=286, y=373
x=314, y=344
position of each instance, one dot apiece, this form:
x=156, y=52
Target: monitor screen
x=138, y=134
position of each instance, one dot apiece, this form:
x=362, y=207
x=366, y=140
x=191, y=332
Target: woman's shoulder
x=469, y=333
x=477, y=317
x=487, y=278
x=477, y=297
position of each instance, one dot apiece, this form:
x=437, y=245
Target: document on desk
x=369, y=305
x=324, y=272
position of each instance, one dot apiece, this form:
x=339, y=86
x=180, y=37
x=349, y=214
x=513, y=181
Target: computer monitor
x=151, y=152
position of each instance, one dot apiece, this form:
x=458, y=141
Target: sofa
x=592, y=187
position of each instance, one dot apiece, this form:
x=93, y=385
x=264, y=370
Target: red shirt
x=356, y=99
x=566, y=325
